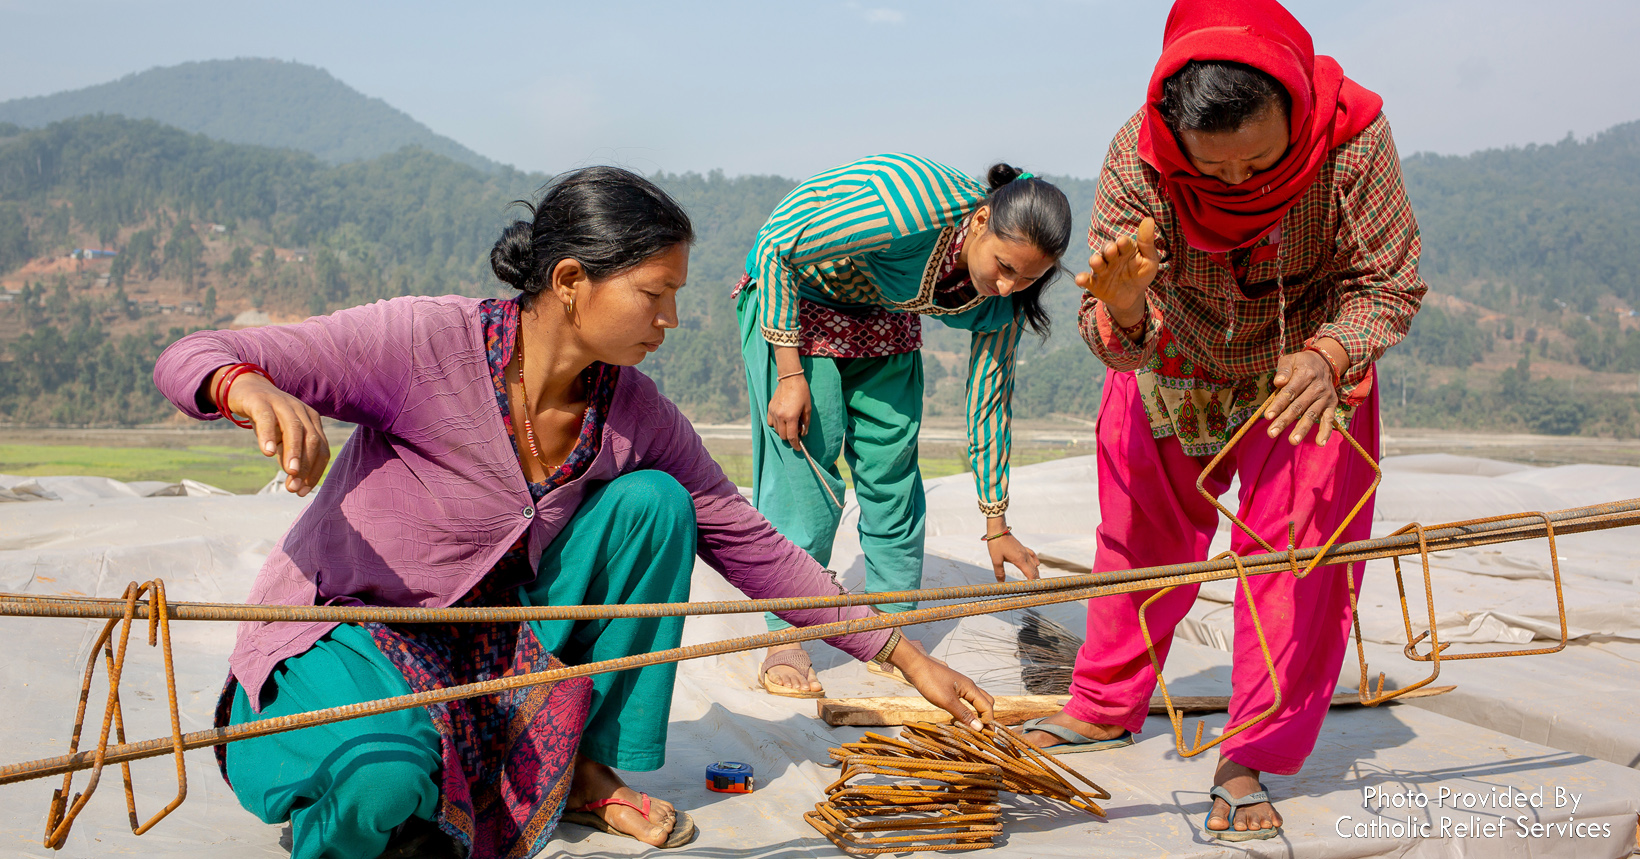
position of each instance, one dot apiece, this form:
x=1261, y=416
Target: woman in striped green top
x=830, y=311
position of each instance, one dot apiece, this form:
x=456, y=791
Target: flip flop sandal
x=888, y=671
x=1230, y=833
x=797, y=660
x=683, y=828
x=892, y=673
x=1072, y=741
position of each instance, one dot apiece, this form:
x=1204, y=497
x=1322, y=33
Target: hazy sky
x=793, y=88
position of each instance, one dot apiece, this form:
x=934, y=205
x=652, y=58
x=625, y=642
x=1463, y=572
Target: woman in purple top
x=506, y=454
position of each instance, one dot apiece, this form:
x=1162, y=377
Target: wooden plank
x=878, y=712
x=1014, y=709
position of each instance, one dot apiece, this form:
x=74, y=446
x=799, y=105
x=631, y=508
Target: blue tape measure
x=729, y=777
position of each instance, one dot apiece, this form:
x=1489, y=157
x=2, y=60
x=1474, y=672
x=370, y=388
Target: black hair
x=1033, y=211
x=607, y=219
x=1218, y=95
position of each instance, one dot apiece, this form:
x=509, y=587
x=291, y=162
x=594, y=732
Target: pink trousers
x=1153, y=515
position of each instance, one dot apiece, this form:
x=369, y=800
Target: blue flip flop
x=1072, y=741
x=1230, y=833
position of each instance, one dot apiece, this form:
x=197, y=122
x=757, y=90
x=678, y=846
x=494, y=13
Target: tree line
x=1536, y=233
x=407, y=223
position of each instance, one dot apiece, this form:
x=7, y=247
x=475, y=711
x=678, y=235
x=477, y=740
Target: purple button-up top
x=428, y=493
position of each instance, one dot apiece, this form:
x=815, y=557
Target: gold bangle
x=784, y=376
x=888, y=648
x=1003, y=533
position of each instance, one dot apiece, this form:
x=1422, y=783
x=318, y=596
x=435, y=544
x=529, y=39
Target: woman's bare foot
x=593, y=781
x=1045, y=740
x=787, y=676
x=1240, y=781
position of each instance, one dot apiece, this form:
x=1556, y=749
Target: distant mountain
x=258, y=101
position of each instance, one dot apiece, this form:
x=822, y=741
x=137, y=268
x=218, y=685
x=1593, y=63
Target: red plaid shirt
x=1347, y=258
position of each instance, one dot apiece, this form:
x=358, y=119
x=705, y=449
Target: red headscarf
x=1328, y=109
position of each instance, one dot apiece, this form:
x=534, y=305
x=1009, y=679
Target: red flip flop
x=683, y=828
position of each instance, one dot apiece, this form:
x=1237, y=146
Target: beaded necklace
x=529, y=429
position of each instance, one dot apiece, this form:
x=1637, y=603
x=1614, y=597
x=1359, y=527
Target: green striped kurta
x=873, y=233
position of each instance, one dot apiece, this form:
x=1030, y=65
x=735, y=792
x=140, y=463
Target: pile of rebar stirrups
x=952, y=799
x=147, y=602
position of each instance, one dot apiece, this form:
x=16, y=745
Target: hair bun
x=606, y=219
x=513, y=259
x=1001, y=173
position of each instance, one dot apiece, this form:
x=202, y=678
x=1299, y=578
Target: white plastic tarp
x=208, y=548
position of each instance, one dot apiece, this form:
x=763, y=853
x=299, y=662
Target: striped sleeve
x=990, y=413
x=853, y=209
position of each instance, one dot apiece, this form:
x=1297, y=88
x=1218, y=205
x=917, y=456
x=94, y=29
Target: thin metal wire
x=820, y=475
x=1437, y=648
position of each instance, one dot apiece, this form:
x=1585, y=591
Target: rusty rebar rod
x=1438, y=538
x=1574, y=520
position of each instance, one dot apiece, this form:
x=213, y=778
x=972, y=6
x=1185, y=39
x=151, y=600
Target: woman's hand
x=1120, y=273
x=1007, y=548
x=286, y=428
x=1306, y=397
x=790, y=408
x=943, y=686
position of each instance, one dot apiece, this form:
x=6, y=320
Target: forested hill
x=207, y=230
x=258, y=101
x=1527, y=251
x=1560, y=221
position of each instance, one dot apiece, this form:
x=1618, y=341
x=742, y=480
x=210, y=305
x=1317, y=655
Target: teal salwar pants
x=866, y=410
x=346, y=786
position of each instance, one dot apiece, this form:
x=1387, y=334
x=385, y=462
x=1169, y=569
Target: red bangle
x=224, y=384
x=1130, y=331
x=1337, y=375
x=1009, y=529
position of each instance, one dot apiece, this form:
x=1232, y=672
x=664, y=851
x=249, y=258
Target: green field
x=243, y=470
x=236, y=469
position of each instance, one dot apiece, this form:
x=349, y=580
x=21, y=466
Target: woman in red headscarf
x=1251, y=236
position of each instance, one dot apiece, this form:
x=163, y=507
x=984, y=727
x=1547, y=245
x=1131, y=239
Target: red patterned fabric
x=876, y=333
x=508, y=759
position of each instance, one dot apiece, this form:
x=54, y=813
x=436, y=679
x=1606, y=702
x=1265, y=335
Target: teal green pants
x=866, y=410
x=346, y=786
